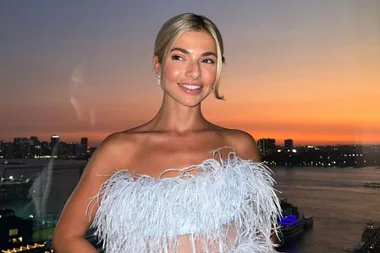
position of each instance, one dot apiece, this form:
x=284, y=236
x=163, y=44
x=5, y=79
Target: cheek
x=172, y=72
x=210, y=75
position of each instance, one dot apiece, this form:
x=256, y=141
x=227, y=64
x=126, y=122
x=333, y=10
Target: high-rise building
x=34, y=140
x=21, y=147
x=35, y=146
x=7, y=149
x=45, y=148
x=288, y=143
x=266, y=146
x=54, y=140
x=2, y=147
x=84, y=142
x=20, y=140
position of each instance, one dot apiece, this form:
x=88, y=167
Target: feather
x=147, y=214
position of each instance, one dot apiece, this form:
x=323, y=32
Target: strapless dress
x=140, y=213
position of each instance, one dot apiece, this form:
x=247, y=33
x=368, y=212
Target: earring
x=159, y=80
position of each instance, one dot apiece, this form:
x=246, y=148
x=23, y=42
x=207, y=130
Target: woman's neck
x=175, y=117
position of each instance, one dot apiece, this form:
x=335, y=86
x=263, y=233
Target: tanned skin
x=178, y=136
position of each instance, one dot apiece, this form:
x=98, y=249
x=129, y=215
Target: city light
x=23, y=147
x=23, y=248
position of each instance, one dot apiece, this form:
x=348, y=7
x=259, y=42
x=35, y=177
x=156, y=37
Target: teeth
x=191, y=87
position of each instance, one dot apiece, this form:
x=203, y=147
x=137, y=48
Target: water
x=333, y=196
x=64, y=177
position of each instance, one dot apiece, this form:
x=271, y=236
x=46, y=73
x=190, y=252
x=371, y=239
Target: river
x=340, y=206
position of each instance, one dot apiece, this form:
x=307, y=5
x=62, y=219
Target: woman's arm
x=73, y=223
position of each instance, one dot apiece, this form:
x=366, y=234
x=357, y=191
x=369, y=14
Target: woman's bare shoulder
x=114, y=152
x=127, y=139
x=243, y=142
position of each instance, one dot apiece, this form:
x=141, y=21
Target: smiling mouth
x=190, y=86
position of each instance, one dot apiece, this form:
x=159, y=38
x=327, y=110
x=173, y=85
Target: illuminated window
x=13, y=231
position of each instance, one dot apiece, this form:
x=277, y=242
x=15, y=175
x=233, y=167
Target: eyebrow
x=182, y=50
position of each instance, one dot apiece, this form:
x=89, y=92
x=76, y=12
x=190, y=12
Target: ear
x=156, y=65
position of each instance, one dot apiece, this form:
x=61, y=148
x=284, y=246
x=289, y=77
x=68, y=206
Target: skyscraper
x=266, y=146
x=34, y=140
x=84, y=142
x=21, y=147
x=288, y=143
x=54, y=140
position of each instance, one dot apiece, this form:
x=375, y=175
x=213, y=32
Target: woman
x=132, y=190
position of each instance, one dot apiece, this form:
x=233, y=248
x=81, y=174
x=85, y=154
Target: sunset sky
x=305, y=70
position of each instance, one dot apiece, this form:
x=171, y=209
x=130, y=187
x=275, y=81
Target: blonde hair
x=176, y=26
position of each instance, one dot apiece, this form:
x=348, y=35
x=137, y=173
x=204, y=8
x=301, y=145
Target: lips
x=191, y=88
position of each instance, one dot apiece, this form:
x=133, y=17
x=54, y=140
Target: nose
x=193, y=70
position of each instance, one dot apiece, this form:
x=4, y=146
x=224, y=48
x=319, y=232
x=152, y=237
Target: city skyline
x=92, y=144
x=271, y=152
x=301, y=70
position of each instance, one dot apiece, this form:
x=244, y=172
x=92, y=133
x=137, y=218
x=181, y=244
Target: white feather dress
x=142, y=214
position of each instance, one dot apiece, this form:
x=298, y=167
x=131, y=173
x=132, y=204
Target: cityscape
x=28, y=148
x=288, y=154
x=33, y=233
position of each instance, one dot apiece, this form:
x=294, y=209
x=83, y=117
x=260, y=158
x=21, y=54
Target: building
x=266, y=146
x=288, y=143
x=53, y=141
x=21, y=147
x=34, y=141
x=7, y=149
x=45, y=147
x=2, y=151
x=84, y=141
x=14, y=231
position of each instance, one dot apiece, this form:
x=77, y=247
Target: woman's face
x=190, y=68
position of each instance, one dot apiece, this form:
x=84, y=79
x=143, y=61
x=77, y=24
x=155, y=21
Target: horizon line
x=96, y=143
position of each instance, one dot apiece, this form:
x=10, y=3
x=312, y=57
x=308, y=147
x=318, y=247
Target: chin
x=194, y=101
x=189, y=100
x=191, y=103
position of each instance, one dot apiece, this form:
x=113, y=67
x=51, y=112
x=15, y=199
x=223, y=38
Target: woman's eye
x=177, y=57
x=209, y=61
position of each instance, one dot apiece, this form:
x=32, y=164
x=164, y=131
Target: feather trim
x=146, y=214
